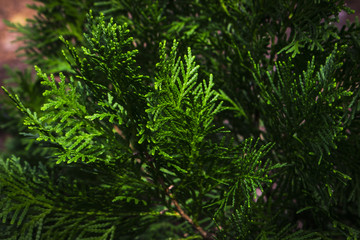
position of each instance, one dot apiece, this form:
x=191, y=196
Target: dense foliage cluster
x=202, y=119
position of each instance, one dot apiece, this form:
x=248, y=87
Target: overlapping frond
x=41, y=206
x=64, y=123
x=181, y=122
x=92, y=109
x=151, y=157
x=309, y=108
x=181, y=108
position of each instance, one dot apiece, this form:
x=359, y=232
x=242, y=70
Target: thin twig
x=182, y=213
x=203, y=233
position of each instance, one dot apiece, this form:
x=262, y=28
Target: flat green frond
x=181, y=108
x=246, y=128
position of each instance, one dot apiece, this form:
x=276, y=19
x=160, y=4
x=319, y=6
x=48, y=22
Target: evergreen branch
x=180, y=211
x=142, y=153
x=312, y=98
x=28, y=202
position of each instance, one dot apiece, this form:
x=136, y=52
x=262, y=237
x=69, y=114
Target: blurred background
x=14, y=11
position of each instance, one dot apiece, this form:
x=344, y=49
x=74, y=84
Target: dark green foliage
x=245, y=127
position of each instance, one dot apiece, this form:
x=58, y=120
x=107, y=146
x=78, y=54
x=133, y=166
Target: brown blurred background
x=17, y=12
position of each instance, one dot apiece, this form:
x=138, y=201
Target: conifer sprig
x=130, y=146
x=149, y=151
x=310, y=103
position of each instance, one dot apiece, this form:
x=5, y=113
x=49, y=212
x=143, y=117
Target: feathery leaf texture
x=150, y=143
x=304, y=104
x=130, y=137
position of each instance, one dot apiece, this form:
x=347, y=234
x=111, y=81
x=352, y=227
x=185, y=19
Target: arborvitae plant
x=184, y=120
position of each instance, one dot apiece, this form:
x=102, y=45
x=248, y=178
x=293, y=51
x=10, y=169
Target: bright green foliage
x=245, y=127
x=181, y=109
x=177, y=169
